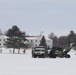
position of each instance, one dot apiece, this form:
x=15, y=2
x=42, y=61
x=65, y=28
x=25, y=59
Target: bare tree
x=54, y=38
x=51, y=35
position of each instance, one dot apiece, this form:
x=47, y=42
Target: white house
x=3, y=38
x=34, y=41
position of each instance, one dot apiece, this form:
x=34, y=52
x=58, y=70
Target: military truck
x=38, y=52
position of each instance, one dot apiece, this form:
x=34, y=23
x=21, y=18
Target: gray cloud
x=39, y=15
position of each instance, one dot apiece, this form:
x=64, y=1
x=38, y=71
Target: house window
x=28, y=40
x=4, y=39
x=3, y=44
x=0, y=39
x=0, y=43
x=35, y=45
x=36, y=40
x=31, y=40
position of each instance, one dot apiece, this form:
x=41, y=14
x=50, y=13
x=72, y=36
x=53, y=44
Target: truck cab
x=38, y=52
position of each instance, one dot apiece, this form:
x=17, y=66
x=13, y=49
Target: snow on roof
x=37, y=37
x=3, y=36
x=47, y=38
x=31, y=37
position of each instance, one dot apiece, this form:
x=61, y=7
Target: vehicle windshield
x=39, y=49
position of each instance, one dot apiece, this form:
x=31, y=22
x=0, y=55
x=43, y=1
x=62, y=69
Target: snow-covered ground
x=24, y=64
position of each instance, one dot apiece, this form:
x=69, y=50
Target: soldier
x=24, y=51
x=0, y=50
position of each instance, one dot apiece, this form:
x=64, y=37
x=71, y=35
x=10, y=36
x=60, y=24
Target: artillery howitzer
x=60, y=52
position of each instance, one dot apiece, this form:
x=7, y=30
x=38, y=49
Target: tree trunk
x=13, y=50
x=24, y=51
x=18, y=50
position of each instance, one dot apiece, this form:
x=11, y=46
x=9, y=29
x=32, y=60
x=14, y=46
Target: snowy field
x=24, y=64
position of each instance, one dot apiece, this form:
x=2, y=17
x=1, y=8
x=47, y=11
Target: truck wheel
x=43, y=56
x=53, y=56
x=67, y=56
x=34, y=56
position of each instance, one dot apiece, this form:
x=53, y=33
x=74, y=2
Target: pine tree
x=43, y=42
x=16, y=38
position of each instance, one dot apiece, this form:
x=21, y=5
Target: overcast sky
x=34, y=16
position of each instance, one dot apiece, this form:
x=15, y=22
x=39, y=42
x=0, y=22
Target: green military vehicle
x=60, y=52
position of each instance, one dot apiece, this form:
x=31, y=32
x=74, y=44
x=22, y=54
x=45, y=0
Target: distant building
x=34, y=41
x=3, y=38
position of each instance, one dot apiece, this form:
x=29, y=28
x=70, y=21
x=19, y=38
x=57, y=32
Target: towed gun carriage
x=60, y=52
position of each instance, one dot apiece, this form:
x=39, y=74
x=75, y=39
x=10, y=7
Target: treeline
x=63, y=41
x=17, y=39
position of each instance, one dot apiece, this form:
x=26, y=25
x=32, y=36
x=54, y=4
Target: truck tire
x=34, y=56
x=67, y=56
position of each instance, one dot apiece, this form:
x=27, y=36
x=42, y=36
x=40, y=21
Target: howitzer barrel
x=67, y=50
x=60, y=44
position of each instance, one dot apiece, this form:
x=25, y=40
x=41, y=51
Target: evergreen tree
x=71, y=38
x=16, y=38
x=43, y=42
